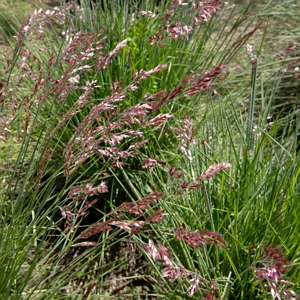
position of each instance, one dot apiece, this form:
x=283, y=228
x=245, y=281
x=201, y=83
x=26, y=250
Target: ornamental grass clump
x=78, y=139
x=105, y=147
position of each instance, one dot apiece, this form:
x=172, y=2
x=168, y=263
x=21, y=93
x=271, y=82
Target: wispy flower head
x=103, y=62
x=178, y=30
x=194, y=238
x=157, y=216
x=174, y=28
x=186, y=135
x=136, y=208
x=204, y=81
x=95, y=229
x=150, y=163
x=78, y=193
x=214, y=170
x=173, y=271
x=251, y=56
x=273, y=270
x=205, y=10
x=149, y=13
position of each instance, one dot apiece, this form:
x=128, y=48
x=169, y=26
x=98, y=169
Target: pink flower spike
x=272, y=271
x=66, y=212
x=213, y=170
x=194, y=238
x=194, y=287
x=164, y=254
x=156, y=217
x=151, y=249
x=149, y=13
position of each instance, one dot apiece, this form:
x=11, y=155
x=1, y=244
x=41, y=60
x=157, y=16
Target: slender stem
x=227, y=287
x=136, y=193
x=209, y=210
x=251, y=106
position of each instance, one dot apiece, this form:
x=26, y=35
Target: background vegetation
x=150, y=151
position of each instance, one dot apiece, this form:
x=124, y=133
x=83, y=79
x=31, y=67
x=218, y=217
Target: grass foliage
x=149, y=151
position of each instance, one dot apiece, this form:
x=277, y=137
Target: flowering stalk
x=272, y=271
x=173, y=271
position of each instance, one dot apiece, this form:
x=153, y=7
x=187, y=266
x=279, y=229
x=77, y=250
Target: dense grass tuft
x=147, y=152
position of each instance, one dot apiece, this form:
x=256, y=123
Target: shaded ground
x=51, y=2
